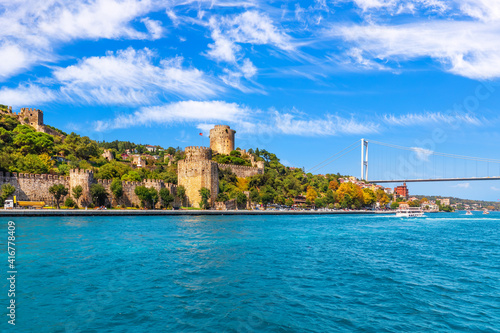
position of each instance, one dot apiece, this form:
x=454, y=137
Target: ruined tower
x=32, y=117
x=198, y=170
x=222, y=139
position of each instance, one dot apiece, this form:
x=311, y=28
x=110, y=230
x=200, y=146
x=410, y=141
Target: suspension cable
x=430, y=152
x=329, y=158
x=347, y=152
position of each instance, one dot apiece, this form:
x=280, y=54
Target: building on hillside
x=445, y=202
x=138, y=161
x=401, y=191
x=151, y=148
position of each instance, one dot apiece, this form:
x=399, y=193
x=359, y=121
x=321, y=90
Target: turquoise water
x=257, y=274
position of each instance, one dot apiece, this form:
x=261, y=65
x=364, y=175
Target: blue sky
x=301, y=79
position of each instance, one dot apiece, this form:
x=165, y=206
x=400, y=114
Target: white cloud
x=484, y=10
x=130, y=76
x=248, y=69
x=402, y=6
x=250, y=27
x=93, y=19
x=288, y=123
x=204, y=114
x=466, y=48
x=462, y=185
x=414, y=119
x=31, y=29
x=12, y=59
x=186, y=111
x=26, y=95
x=154, y=27
x=422, y=153
x=233, y=78
x=495, y=188
x=461, y=35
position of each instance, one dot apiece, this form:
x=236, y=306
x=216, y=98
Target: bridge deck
x=433, y=180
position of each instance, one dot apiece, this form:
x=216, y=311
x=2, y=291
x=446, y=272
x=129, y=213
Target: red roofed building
x=402, y=191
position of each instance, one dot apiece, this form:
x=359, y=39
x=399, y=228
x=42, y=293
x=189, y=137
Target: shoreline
x=111, y=212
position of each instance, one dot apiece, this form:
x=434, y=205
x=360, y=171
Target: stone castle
x=196, y=171
x=32, y=117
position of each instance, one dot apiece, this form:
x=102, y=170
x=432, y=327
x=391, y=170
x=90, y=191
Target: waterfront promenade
x=124, y=212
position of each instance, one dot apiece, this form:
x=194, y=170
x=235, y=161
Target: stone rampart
x=241, y=170
x=34, y=187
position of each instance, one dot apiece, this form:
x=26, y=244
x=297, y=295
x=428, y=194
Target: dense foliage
x=281, y=185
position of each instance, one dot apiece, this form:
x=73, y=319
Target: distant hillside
x=459, y=201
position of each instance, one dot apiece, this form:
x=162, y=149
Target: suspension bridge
x=392, y=163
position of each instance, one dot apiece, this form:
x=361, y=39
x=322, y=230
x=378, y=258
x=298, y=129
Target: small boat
x=468, y=212
x=409, y=212
x=485, y=212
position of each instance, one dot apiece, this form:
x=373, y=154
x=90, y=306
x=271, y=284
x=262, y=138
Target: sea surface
x=357, y=273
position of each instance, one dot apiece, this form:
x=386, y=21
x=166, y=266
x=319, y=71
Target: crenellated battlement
x=198, y=153
x=80, y=172
x=221, y=127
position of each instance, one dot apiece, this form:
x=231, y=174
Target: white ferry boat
x=468, y=212
x=409, y=212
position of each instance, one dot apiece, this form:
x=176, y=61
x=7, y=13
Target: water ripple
x=259, y=274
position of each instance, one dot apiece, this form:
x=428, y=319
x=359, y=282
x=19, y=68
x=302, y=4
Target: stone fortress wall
x=196, y=171
x=32, y=187
x=242, y=171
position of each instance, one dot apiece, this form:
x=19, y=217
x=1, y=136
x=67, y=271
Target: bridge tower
x=364, y=159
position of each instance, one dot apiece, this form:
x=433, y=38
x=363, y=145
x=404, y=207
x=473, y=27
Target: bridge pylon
x=364, y=159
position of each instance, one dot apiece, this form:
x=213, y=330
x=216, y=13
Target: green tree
x=311, y=194
x=181, y=193
x=69, y=202
x=369, y=197
x=6, y=191
x=318, y=203
x=395, y=205
x=166, y=197
x=117, y=189
x=132, y=176
x=147, y=195
x=254, y=195
x=205, y=196
x=350, y=194
x=32, y=163
x=241, y=200
x=98, y=194
x=289, y=202
x=77, y=193
x=58, y=191
x=222, y=197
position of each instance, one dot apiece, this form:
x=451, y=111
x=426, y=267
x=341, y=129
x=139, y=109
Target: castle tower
x=222, y=139
x=32, y=117
x=84, y=178
x=196, y=171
